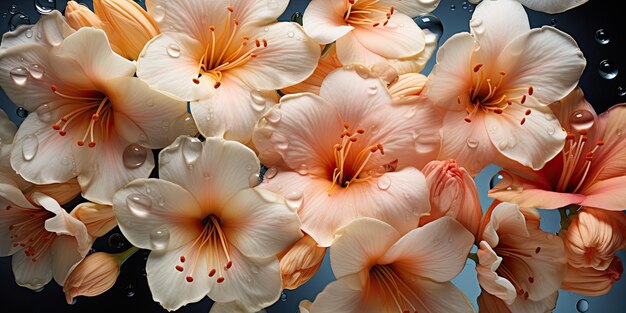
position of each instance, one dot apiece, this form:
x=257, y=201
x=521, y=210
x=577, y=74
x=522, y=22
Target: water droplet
x=297, y=17
x=283, y=297
x=159, y=238
x=503, y=144
x=139, y=204
x=134, y=156
x=503, y=181
x=430, y=22
x=294, y=200
x=452, y=7
x=372, y=90
x=426, y=142
x=290, y=34
x=45, y=6
x=191, y=149
x=271, y=173
x=607, y=69
x=173, y=50
x=602, y=37
x=30, y=144
x=619, y=132
x=44, y=113
x=29, y=33
x=303, y=169
x=116, y=240
x=254, y=180
x=13, y=8
x=40, y=289
x=17, y=20
x=21, y=112
x=258, y=101
x=582, y=305
x=581, y=120
x=19, y=75
x=274, y=116
x=551, y=130
x=553, y=22
x=158, y=13
x=464, y=6
x=36, y=71
x=621, y=91
x=266, y=29
x=472, y=143
x=130, y=291
x=383, y=182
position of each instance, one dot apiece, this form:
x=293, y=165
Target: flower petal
x=344, y=295
x=413, y=7
x=99, y=219
x=65, y=256
x=489, y=280
x=323, y=20
x=507, y=219
x=49, y=31
x=7, y=129
x=259, y=225
x=139, y=211
x=590, y=281
x=552, y=6
x=351, y=51
x=609, y=160
x=29, y=274
x=439, y=297
x=359, y=244
x=400, y=38
x=606, y=194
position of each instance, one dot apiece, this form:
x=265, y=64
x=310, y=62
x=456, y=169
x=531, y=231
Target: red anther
x=220, y=280
x=527, y=112
x=91, y=144
x=373, y=149
x=80, y=143
x=391, y=10
x=230, y=9
x=56, y=127
x=498, y=111
x=502, y=73
x=509, y=102
x=217, y=85
x=353, y=139
x=264, y=42
x=236, y=21
x=531, y=279
x=376, y=24
x=257, y=43
x=523, y=99
x=212, y=28
x=522, y=121
x=458, y=99
x=64, y=119
x=380, y=147
x=34, y=260
x=570, y=136
x=360, y=130
x=229, y=264
x=53, y=88
x=189, y=279
x=62, y=133
x=537, y=250
x=338, y=147
x=386, y=22
x=351, y=1
x=253, y=55
x=582, y=131
x=477, y=67
x=212, y=273
x=179, y=268
x=195, y=81
x=467, y=119
x=584, y=138
x=182, y=259
x=95, y=117
x=245, y=37
x=530, y=90
x=600, y=143
x=589, y=154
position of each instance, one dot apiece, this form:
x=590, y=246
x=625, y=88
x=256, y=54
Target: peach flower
x=548, y=6
x=96, y=274
x=380, y=270
x=592, y=282
x=99, y=219
x=300, y=262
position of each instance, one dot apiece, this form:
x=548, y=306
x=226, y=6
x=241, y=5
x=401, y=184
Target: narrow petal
x=323, y=20
x=609, y=160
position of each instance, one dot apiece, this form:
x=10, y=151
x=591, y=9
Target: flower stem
x=122, y=257
x=473, y=256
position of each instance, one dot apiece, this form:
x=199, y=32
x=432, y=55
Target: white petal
x=49, y=31
x=351, y=51
x=323, y=20
x=400, y=38
x=7, y=129
x=552, y=6
x=412, y=7
x=29, y=274
x=345, y=295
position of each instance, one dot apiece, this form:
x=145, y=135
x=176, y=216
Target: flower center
x=211, y=241
x=367, y=12
x=348, y=170
x=489, y=96
x=572, y=155
x=394, y=288
x=224, y=51
x=29, y=232
x=96, y=108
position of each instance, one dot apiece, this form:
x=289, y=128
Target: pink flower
x=519, y=264
x=452, y=193
x=348, y=153
x=380, y=270
x=495, y=85
x=592, y=282
x=589, y=171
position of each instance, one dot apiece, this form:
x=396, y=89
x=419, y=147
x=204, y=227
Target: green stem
x=327, y=48
x=122, y=257
x=473, y=256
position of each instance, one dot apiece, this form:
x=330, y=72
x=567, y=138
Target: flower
x=220, y=55
x=379, y=270
x=99, y=219
x=300, y=262
x=209, y=231
x=590, y=169
x=368, y=31
x=590, y=281
x=361, y=160
x=548, y=6
x=495, y=85
x=78, y=16
x=518, y=263
x=45, y=241
x=89, y=117
x=452, y=193
x=96, y=274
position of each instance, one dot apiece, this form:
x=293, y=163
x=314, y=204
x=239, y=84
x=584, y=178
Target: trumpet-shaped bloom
x=209, y=231
x=361, y=159
x=45, y=241
x=368, y=31
x=548, y=6
x=496, y=84
x=90, y=118
x=380, y=270
x=589, y=171
x=219, y=55
x=519, y=264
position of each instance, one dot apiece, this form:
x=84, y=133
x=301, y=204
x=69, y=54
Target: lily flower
x=380, y=270
x=362, y=160
x=368, y=31
x=519, y=265
x=495, y=85
x=589, y=171
x=548, y=6
x=209, y=231
x=220, y=55
x=89, y=117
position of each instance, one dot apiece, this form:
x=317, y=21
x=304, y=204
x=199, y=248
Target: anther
x=80, y=143
x=195, y=81
x=467, y=119
x=531, y=279
x=600, y=143
x=502, y=73
x=522, y=121
x=212, y=28
x=189, y=279
x=217, y=85
x=230, y=9
x=530, y=90
x=380, y=147
x=360, y=130
x=95, y=117
x=264, y=42
x=498, y=111
x=477, y=67
x=53, y=88
x=523, y=99
x=537, y=250
x=229, y=264
x=570, y=136
x=220, y=280
x=257, y=43
x=182, y=259
x=375, y=24
x=91, y=144
x=56, y=127
x=527, y=112
x=391, y=10
x=62, y=133
x=212, y=272
x=179, y=268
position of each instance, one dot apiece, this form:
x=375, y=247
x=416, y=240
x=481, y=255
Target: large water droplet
x=283, y=297
x=191, y=149
x=430, y=22
x=472, y=143
x=19, y=75
x=159, y=238
x=158, y=13
x=45, y=6
x=296, y=17
x=602, y=37
x=294, y=200
x=582, y=305
x=303, y=169
x=134, y=156
x=44, y=114
x=36, y=71
x=426, y=142
x=116, y=241
x=17, y=20
x=254, y=180
x=21, y=112
x=258, y=101
x=607, y=69
x=452, y=7
x=383, y=182
x=581, y=120
x=271, y=173
x=139, y=204
x=372, y=90
x=173, y=50
x=30, y=145
x=503, y=181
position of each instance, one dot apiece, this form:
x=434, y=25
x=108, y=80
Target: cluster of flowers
x=365, y=156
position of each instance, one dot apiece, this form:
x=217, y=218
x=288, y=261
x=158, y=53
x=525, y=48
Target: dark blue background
x=131, y=292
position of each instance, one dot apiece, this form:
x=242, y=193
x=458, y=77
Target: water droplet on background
x=621, y=91
x=581, y=120
x=19, y=75
x=45, y=6
x=602, y=37
x=130, y=291
x=607, y=69
x=582, y=305
x=21, y=112
x=159, y=238
x=297, y=17
x=553, y=22
x=13, y=8
x=283, y=297
x=452, y=7
x=271, y=173
x=116, y=241
x=17, y=20
x=430, y=22
x=139, y=204
x=134, y=156
x=30, y=145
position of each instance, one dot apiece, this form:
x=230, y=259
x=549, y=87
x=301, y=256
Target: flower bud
x=592, y=282
x=99, y=219
x=128, y=25
x=300, y=262
x=78, y=15
x=407, y=88
x=452, y=193
x=96, y=274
